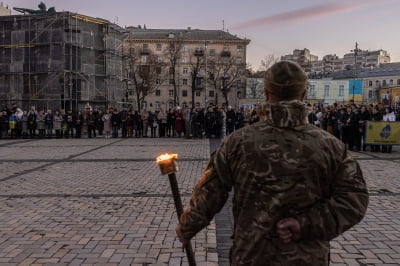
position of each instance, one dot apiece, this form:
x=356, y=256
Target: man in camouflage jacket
x=295, y=186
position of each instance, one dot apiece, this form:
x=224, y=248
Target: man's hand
x=288, y=230
x=180, y=235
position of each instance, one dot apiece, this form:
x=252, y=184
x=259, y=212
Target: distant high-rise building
x=303, y=57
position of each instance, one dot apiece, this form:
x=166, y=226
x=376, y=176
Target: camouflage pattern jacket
x=280, y=167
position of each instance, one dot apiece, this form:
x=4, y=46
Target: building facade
x=4, y=10
x=60, y=61
x=165, y=68
x=328, y=91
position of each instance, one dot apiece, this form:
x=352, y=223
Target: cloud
x=300, y=14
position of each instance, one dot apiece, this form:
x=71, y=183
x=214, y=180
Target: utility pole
x=356, y=50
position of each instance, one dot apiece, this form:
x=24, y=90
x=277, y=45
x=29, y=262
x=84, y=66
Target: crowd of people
x=111, y=123
x=349, y=123
x=346, y=122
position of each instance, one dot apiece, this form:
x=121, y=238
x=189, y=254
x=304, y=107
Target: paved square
x=104, y=202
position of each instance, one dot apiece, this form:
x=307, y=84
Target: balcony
x=225, y=54
x=144, y=51
x=198, y=53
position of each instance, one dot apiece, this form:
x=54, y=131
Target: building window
x=326, y=91
x=145, y=46
x=391, y=82
x=370, y=83
x=238, y=60
x=226, y=48
x=185, y=48
x=158, y=70
x=171, y=93
x=341, y=90
x=211, y=94
x=158, y=92
x=184, y=81
x=158, y=46
x=158, y=105
x=197, y=104
x=239, y=48
x=198, y=94
x=212, y=52
x=377, y=83
x=184, y=59
x=159, y=58
x=238, y=94
x=184, y=104
x=398, y=82
x=171, y=70
x=144, y=58
x=238, y=83
x=171, y=81
x=144, y=104
x=370, y=94
x=311, y=91
x=185, y=70
x=158, y=81
x=198, y=81
x=184, y=93
x=384, y=82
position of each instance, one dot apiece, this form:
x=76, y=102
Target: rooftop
x=192, y=34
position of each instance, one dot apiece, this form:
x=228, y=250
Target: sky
x=274, y=27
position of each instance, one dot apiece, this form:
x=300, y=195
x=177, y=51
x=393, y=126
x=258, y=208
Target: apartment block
x=165, y=68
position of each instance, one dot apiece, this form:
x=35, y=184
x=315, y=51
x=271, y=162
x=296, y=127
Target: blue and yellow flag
x=383, y=133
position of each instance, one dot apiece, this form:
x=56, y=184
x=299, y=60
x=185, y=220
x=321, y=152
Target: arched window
x=370, y=83
x=377, y=83
x=391, y=82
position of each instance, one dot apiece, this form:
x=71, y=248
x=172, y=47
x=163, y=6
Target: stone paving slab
x=25, y=152
x=150, y=148
x=105, y=230
x=376, y=240
x=94, y=178
x=382, y=176
x=15, y=168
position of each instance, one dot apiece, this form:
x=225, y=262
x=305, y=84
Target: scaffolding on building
x=60, y=61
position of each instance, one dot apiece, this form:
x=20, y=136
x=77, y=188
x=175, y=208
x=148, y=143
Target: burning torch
x=168, y=166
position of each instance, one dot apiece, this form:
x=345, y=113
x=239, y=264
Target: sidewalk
x=104, y=202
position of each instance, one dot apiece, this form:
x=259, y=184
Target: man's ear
x=266, y=94
x=303, y=95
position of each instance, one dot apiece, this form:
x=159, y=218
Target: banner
x=383, y=133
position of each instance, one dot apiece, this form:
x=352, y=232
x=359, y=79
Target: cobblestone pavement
x=104, y=202
x=97, y=201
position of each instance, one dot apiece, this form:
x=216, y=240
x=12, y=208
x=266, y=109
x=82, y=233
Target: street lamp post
x=205, y=85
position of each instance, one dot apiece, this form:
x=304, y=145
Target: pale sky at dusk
x=273, y=26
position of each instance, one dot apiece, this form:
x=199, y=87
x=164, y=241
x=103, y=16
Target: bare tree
x=197, y=63
x=174, y=55
x=268, y=61
x=143, y=71
x=225, y=73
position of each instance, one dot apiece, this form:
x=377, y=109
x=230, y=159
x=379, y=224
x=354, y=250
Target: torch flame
x=166, y=156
